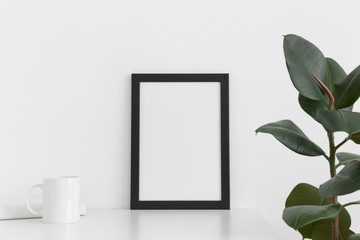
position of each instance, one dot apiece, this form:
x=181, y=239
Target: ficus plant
x=327, y=94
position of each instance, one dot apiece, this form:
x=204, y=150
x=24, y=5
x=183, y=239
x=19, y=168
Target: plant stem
x=340, y=144
x=327, y=158
x=335, y=222
x=350, y=203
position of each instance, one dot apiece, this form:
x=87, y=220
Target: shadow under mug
x=61, y=200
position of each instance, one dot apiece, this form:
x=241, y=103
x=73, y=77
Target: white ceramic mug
x=61, y=200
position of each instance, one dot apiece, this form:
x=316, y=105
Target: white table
x=121, y=224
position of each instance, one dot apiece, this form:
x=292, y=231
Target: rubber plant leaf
x=286, y=132
x=324, y=232
x=311, y=106
x=344, y=157
x=336, y=74
x=299, y=216
x=345, y=182
x=339, y=120
x=348, y=90
x=355, y=137
x=302, y=60
x=354, y=237
x=306, y=194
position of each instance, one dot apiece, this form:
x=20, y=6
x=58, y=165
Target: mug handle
x=39, y=213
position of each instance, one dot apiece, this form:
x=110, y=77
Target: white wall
x=65, y=70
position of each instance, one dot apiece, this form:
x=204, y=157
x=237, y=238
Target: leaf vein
x=341, y=176
x=297, y=219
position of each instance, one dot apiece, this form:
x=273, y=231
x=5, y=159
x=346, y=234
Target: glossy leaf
x=339, y=120
x=348, y=90
x=345, y=158
x=303, y=58
x=324, y=232
x=299, y=216
x=306, y=194
x=345, y=182
x=348, y=109
x=311, y=106
x=355, y=137
x=336, y=73
x=354, y=237
x=292, y=137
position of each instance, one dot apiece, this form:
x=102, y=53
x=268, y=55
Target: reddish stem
x=335, y=222
x=327, y=91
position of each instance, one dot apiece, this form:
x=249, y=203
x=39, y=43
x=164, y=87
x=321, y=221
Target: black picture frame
x=224, y=203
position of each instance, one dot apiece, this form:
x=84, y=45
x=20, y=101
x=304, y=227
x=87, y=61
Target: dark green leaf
x=345, y=182
x=348, y=109
x=292, y=137
x=344, y=233
x=335, y=73
x=324, y=232
x=345, y=157
x=348, y=90
x=306, y=194
x=299, y=216
x=355, y=137
x=302, y=59
x=354, y=237
x=311, y=106
x=339, y=120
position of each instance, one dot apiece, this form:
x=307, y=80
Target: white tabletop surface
x=108, y=224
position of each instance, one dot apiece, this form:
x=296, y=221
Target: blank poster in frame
x=180, y=141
